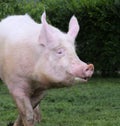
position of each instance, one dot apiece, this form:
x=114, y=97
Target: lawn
x=96, y=103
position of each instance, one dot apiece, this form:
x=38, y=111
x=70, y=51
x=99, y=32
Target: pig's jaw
x=66, y=82
x=77, y=79
x=50, y=82
x=71, y=79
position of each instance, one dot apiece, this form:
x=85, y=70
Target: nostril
x=90, y=67
x=89, y=70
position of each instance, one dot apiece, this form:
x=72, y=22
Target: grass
x=96, y=103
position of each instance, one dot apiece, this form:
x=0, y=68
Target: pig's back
x=17, y=33
x=17, y=27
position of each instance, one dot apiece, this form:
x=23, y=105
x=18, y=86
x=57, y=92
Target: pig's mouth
x=80, y=79
x=85, y=79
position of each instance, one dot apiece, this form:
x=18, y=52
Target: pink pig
x=35, y=57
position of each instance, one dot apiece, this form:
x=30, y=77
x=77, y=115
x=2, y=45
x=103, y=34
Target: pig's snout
x=83, y=71
x=88, y=71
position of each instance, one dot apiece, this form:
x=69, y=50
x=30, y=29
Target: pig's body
x=18, y=49
x=35, y=57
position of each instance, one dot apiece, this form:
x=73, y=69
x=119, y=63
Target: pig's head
x=59, y=62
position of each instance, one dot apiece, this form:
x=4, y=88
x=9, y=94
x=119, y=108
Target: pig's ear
x=43, y=18
x=47, y=32
x=73, y=27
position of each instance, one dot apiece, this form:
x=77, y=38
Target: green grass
x=96, y=103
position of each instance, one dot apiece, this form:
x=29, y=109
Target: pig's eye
x=60, y=51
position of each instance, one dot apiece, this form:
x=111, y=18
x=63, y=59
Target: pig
x=35, y=57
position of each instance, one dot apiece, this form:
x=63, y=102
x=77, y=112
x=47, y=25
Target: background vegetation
x=99, y=39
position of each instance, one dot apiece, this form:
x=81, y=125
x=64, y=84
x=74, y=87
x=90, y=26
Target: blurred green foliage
x=99, y=39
